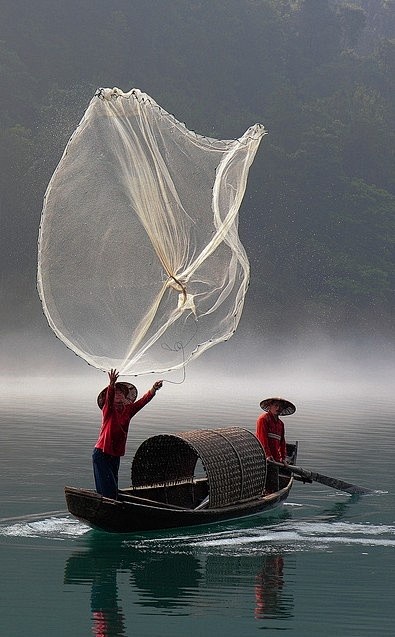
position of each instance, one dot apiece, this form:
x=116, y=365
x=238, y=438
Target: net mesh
x=140, y=265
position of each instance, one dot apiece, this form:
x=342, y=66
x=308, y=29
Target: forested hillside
x=318, y=217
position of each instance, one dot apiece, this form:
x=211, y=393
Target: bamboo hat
x=129, y=390
x=288, y=408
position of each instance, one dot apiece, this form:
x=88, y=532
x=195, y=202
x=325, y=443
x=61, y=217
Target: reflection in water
x=164, y=580
x=107, y=616
x=268, y=588
x=167, y=579
x=99, y=568
x=266, y=574
x=339, y=509
x=194, y=572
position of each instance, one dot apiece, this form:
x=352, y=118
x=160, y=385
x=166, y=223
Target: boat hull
x=118, y=516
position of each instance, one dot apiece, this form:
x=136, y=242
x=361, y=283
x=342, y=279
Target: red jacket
x=270, y=432
x=115, y=424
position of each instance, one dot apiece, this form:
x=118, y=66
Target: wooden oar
x=313, y=476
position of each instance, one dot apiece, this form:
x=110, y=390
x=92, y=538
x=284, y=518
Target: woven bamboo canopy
x=232, y=457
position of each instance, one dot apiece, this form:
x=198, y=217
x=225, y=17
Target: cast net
x=140, y=266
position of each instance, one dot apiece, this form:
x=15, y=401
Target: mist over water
x=300, y=369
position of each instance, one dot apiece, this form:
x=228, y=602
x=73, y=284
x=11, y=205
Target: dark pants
x=105, y=470
x=272, y=478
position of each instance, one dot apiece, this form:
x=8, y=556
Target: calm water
x=323, y=564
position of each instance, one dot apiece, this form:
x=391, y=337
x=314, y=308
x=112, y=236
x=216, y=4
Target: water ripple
x=56, y=528
x=289, y=535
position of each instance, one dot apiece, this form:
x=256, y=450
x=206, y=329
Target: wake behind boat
x=166, y=491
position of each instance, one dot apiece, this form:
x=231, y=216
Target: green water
x=323, y=564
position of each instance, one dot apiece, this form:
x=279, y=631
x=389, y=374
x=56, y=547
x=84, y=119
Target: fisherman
x=271, y=433
x=119, y=405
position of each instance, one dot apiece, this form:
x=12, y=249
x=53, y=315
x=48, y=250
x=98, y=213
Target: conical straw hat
x=130, y=396
x=288, y=409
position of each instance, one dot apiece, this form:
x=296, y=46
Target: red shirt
x=270, y=432
x=115, y=424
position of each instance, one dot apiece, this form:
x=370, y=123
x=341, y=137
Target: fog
x=314, y=367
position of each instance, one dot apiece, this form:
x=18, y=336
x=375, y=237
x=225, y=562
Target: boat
x=187, y=479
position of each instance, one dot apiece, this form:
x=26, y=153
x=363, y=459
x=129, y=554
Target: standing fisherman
x=271, y=433
x=119, y=405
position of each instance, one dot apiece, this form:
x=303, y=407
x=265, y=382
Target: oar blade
x=334, y=483
x=341, y=485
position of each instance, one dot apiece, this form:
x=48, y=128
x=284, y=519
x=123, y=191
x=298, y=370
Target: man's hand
x=113, y=376
x=157, y=385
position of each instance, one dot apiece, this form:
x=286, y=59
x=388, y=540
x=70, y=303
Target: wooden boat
x=168, y=492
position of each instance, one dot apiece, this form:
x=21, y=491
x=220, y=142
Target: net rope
x=138, y=242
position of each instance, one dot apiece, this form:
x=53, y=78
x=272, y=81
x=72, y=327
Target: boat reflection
x=171, y=580
x=161, y=580
x=166, y=581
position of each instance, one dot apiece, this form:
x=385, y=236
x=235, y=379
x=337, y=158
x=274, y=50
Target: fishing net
x=140, y=266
